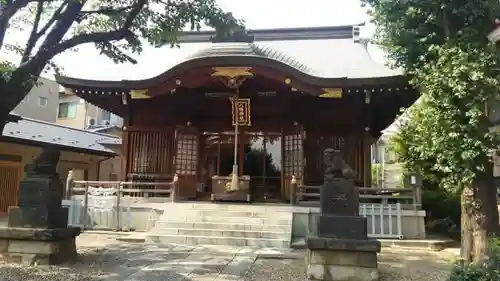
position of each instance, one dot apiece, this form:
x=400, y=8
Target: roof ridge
x=278, y=34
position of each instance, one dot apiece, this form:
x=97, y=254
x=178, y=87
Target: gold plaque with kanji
x=241, y=111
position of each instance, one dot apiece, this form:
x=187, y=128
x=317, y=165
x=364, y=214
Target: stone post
x=69, y=185
x=38, y=231
x=175, y=189
x=293, y=191
x=341, y=251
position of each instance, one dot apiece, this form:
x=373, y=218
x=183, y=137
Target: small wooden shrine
x=238, y=119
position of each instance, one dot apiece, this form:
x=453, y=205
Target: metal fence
x=384, y=220
x=107, y=205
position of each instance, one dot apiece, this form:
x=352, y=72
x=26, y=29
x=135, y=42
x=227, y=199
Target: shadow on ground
x=134, y=262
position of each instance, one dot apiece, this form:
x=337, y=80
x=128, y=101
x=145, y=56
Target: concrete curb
x=432, y=245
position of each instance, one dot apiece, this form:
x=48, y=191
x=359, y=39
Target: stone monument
x=37, y=231
x=341, y=249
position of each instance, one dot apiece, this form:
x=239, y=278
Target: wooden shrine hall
x=241, y=116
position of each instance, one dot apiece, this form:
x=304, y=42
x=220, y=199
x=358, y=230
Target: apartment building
x=41, y=102
x=75, y=112
x=46, y=102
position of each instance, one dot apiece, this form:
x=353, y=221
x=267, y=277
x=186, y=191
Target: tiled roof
x=325, y=58
x=43, y=133
x=319, y=52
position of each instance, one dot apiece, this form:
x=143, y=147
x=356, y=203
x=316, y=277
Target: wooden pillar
x=264, y=160
x=367, y=141
x=241, y=152
x=218, y=154
x=125, y=150
x=283, y=179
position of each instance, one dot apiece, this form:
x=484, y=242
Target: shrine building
x=263, y=105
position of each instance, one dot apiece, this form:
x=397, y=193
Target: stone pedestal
x=341, y=251
x=38, y=231
x=342, y=259
x=31, y=246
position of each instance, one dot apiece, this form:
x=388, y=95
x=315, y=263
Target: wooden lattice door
x=293, y=160
x=10, y=176
x=186, y=162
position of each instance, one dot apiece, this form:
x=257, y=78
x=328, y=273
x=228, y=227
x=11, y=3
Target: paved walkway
x=103, y=258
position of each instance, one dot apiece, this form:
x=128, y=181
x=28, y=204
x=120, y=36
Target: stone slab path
x=103, y=258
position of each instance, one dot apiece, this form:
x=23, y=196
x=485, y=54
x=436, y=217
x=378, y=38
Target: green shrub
x=490, y=271
x=442, y=212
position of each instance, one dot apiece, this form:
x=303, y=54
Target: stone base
x=36, y=217
x=341, y=273
x=333, y=259
x=30, y=246
x=342, y=227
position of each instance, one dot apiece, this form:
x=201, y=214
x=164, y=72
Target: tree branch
x=6, y=13
x=33, y=38
x=99, y=37
x=51, y=21
x=137, y=7
x=108, y=11
x=37, y=63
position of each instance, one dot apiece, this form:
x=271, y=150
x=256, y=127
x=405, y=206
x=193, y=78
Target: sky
x=88, y=64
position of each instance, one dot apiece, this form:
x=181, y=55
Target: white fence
x=384, y=220
x=102, y=210
x=107, y=204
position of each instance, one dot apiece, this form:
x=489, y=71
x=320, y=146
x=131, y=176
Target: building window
x=42, y=102
x=26, y=99
x=67, y=110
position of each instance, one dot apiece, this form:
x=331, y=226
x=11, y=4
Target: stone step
x=223, y=233
x=228, y=219
x=223, y=225
x=226, y=213
x=310, y=187
x=229, y=207
x=203, y=240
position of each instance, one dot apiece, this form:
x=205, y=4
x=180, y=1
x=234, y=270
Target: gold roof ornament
x=232, y=77
x=331, y=93
x=139, y=94
x=232, y=72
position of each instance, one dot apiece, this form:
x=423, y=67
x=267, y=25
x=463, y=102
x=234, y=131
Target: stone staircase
x=224, y=224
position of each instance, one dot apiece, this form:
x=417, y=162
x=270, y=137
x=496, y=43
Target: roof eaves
x=16, y=140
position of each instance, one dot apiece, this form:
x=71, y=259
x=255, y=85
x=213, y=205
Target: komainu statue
x=336, y=167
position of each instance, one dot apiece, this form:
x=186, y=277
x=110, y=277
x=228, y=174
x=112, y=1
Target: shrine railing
x=107, y=203
x=409, y=198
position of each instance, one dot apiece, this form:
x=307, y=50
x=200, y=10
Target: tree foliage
x=118, y=28
x=443, y=47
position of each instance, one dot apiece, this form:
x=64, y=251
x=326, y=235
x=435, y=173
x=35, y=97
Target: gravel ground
x=102, y=258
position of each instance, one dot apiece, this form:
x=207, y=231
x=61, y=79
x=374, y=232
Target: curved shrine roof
x=318, y=53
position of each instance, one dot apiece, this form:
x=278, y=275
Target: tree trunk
x=4, y=119
x=479, y=217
